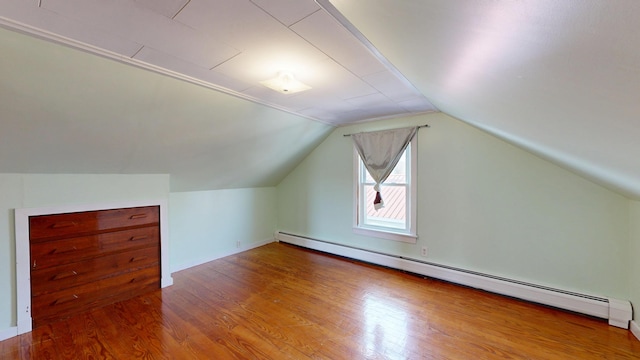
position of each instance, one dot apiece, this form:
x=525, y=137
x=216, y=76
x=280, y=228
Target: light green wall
x=11, y=191
x=483, y=205
x=634, y=255
x=208, y=224
x=29, y=191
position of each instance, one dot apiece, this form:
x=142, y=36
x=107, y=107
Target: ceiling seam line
x=137, y=52
x=342, y=65
x=320, y=9
x=275, y=18
x=268, y=13
x=226, y=60
x=179, y=11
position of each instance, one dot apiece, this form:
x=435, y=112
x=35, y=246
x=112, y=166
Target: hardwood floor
x=282, y=302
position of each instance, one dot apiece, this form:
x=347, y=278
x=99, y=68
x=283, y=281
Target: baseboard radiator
x=617, y=312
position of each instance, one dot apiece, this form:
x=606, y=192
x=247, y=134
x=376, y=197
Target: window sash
x=383, y=223
x=363, y=200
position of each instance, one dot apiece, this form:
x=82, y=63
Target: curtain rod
x=421, y=126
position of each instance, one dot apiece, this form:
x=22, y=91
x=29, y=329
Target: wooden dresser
x=85, y=260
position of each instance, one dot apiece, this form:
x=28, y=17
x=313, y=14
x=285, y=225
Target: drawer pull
x=64, y=275
x=138, y=238
x=63, y=224
x=139, y=258
x=137, y=216
x=56, y=251
x=62, y=301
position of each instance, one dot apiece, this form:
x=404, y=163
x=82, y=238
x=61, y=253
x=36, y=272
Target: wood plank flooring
x=283, y=302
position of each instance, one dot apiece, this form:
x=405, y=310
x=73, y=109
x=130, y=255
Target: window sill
x=389, y=235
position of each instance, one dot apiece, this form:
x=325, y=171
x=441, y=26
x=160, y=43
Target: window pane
x=393, y=214
x=399, y=173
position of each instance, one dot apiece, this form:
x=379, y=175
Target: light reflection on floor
x=385, y=330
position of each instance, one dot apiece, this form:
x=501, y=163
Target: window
x=397, y=219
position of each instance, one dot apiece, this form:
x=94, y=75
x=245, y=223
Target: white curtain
x=380, y=152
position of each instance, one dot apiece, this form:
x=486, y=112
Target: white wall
x=206, y=225
x=484, y=205
x=33, y=190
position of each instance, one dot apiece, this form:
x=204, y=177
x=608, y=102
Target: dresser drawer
x=56, y=278
x=67, y=302
x=45, y=227
x=64, y=251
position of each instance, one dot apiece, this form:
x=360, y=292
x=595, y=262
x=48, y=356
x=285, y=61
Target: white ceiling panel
x=357, y=116
x=337, y=107
x=286, y=11
x=87, y=35
x=299, y=101
x=339, y=81
x=239, y=23
x=127, y=20
x=26, y=11
x=416, y=105
x=274, y=97
x=391, y=86
x=323, y=115
x=322, y=30
x=185, y=43
x=166, y=61
x=123, y=18
x=284, y=51
x=368, y=101
x=382, y=112
x=168, y=8
x=326, y=102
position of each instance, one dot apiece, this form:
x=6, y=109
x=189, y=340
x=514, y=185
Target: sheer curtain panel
x=380, y=152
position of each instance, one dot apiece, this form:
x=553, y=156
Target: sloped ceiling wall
x=560, y=78
x=66, y=111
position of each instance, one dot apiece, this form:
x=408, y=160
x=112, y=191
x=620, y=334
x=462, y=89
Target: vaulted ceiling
x=560, y=78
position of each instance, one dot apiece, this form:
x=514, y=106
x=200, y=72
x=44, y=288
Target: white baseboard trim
x=8, y=333
x=618, y=312
x=635, y=329
x=216, y=256
x=25, y=325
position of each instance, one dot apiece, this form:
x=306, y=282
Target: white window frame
x=409, y=235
